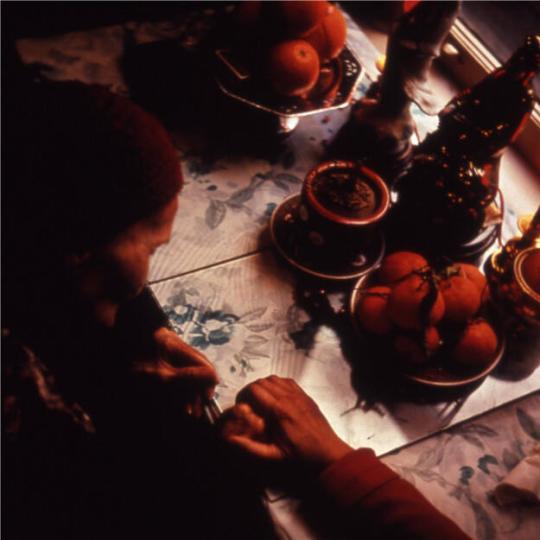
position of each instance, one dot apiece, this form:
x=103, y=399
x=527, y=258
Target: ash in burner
x=345, y=193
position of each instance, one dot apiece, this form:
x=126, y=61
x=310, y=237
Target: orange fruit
x=408, y=350
x=461, y=299
x=408, y=5
x=405, y=304
x=293, y=67
x=300, y=17
x=371, y=310
x=471, y=272
x=432, y=339
x=400, y=264
x=411, y=351
x=328, y=37
x=477, y=345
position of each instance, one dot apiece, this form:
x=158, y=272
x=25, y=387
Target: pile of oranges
x=422, y=311
x=291, y=40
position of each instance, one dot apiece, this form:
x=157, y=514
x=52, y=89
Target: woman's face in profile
x=118, y=271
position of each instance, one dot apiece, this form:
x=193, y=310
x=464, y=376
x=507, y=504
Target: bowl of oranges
x=431, y=322
x=287, y=58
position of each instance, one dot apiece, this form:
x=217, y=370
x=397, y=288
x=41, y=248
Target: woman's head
x=92, y=183
x=116, y=271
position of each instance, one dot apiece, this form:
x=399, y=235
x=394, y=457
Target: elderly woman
x=91, y=192
x=100, y=402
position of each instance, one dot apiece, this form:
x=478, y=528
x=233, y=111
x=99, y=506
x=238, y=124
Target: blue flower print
x=466, y=474
x=181, y=313
x=212, y=328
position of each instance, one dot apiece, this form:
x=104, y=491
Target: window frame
x=469, y=60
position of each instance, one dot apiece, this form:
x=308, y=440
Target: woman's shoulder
x=31, y=401
x=47, y=450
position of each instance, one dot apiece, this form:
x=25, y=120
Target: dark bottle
x=442, y=207
x=379, y=131
x=481, y=121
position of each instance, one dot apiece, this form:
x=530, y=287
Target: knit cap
x=84, y=164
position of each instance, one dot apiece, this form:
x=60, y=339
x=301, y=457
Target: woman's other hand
x=180, y=365
x=279, y=421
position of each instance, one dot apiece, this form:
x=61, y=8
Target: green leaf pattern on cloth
x=465, y=463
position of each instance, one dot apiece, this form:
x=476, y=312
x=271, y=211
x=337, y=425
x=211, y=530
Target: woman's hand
x=274, y=419
x=177, y=363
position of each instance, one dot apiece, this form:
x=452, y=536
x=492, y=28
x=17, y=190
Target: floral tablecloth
x=457, y=470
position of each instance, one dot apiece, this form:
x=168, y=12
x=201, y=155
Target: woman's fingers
x=241, y=420
x=182, y=363
x=195, y=376
x=182, y=369
x=279, y=386
x=256, y=448
x=177, y=351
x=295, y=426
x=261, y=399
x=190, y=376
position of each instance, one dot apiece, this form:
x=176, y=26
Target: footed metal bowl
x=334, y=90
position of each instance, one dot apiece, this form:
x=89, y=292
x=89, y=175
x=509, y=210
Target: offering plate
x=334, y=90
x=439, y=371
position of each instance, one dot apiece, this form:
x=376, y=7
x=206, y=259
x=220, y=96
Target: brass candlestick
x=379, y=130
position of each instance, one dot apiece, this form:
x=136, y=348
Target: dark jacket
x=121, y=462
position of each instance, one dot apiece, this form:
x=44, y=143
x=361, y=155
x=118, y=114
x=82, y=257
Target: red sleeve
x=368, y=490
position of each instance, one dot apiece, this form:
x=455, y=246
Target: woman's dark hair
x=81, y=164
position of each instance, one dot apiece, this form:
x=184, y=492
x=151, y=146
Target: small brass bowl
x=527, y=300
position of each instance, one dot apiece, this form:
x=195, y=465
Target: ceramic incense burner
x=341, y=204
